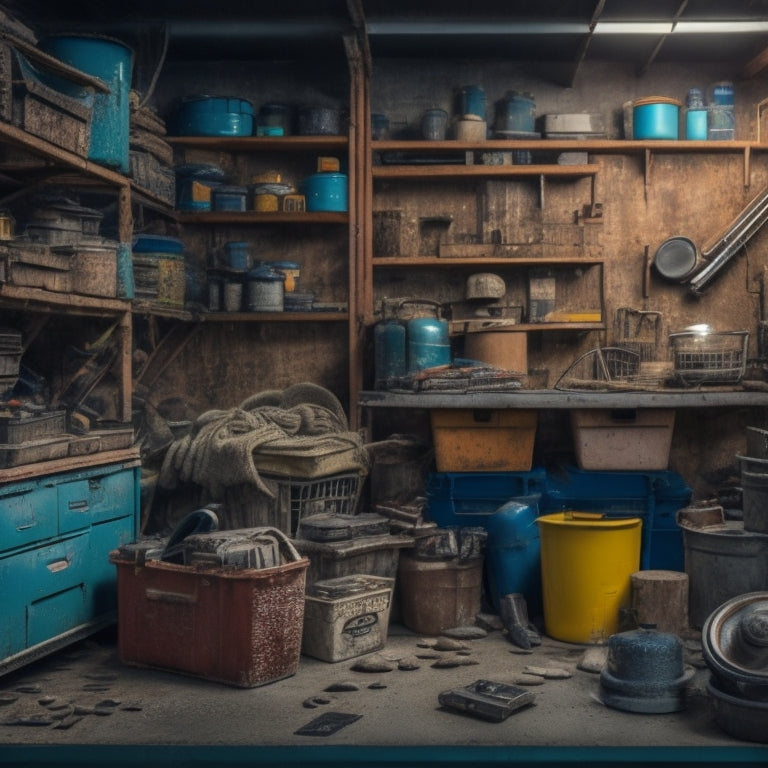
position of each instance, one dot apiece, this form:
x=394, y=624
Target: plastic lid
x=265, y=273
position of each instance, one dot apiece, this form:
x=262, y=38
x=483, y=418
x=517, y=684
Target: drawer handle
x=170, y=597
x=78, y=506
x=57, y=565
x=26, y=527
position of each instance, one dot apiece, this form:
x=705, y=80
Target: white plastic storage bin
x=623, y=438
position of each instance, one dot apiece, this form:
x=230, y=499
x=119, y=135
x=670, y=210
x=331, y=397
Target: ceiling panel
x=562, y=31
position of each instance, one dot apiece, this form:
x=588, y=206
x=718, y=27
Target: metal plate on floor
x=326, y=724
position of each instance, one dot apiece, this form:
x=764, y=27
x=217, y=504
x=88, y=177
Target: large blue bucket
x=111, y=61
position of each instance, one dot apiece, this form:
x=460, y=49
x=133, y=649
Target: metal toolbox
x=20, y=429
x=346, y=617
x=337, y=526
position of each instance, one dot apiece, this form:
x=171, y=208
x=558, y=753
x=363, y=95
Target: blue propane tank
x=389, y=350
x=429, y=343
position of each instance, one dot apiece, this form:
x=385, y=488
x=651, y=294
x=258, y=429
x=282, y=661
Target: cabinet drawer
x=93, y=499
x=28, y=579
x=27, y=514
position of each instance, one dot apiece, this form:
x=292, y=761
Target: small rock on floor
x=408, y=663
x=524, y=679
x=373, y=664
x=549, y=673
x=450, y=644
x=466, y=633
x=594, y=659
x=339, y=687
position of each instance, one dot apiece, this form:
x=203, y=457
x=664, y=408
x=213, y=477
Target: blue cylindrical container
x=656, y=117
x=389, y=352
x=214, y=116
x=516, y=113
x=513, y=552
x=695, y=124
x=238, y=254
x=473, y=102
x=429, y=343
x=326, y=191
x=112, y=61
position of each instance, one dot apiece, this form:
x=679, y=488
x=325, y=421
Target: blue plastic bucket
x=655, y=117
x=112, y=61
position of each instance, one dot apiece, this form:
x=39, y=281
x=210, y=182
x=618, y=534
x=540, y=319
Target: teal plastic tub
x=112, y=61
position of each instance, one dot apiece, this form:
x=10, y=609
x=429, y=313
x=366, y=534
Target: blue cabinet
x=56, y=532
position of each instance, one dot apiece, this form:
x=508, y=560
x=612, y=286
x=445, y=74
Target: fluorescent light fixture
x=496, y=27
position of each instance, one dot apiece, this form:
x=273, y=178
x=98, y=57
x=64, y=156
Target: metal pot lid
x=734, y=639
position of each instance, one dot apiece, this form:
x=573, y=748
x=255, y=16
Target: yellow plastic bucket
x=586, y=564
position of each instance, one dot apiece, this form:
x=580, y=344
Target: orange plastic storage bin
x=483, y=440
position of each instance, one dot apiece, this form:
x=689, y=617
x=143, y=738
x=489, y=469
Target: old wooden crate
x=36, y=266
x=42, y=111
x=93, y=266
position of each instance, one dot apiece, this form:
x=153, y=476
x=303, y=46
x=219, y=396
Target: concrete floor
x=121, y=715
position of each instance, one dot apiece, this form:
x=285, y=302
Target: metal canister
x=265, y=289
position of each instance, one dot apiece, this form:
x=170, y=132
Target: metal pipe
x=746, y=224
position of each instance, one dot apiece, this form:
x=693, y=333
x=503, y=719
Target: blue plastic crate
x=653, y=496
x=469, y=498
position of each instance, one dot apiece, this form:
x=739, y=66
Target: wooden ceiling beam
x=755, y=65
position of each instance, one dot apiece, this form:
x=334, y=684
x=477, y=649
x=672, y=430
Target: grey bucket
x=722, y=559
x=754, y=486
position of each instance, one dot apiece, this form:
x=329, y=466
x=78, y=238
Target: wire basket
x=709, y=358
x=599, y=367
x=301, y=497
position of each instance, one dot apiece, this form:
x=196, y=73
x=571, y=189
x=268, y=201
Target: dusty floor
x=82, y=706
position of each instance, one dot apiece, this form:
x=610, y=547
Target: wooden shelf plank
x=455, y=171
x=255, y=217
x=429, y=262
x=274, y=317
x=53, y=302
x=596, y=146
x=260, y=143
x=551, y=398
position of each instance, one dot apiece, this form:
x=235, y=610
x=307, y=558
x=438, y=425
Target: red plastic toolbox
x=242, y=627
